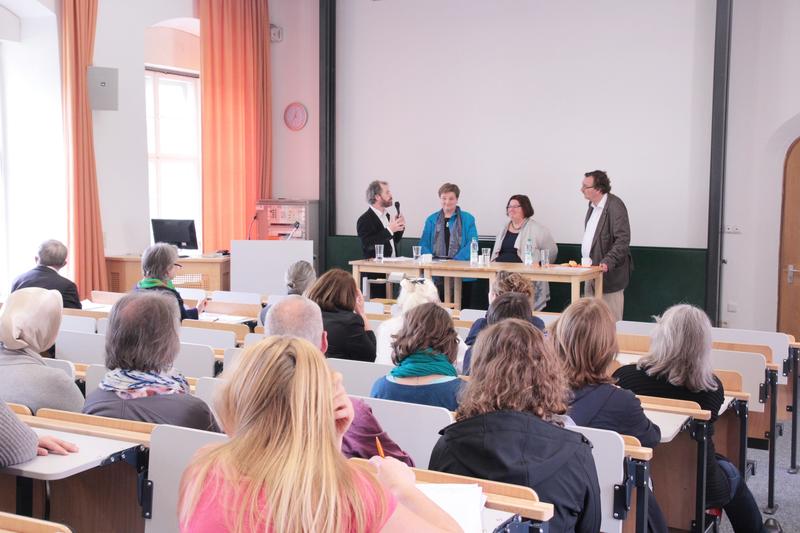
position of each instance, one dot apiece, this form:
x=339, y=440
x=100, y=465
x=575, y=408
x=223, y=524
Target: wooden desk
x=209, y=273
x=462, y=269
x=93, y=489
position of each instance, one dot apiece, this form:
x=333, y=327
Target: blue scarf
x=424, y=363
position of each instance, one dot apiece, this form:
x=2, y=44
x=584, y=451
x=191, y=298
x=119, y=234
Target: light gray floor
x=787, y=486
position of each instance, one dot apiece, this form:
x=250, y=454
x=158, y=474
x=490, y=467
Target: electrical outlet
x=733, y=228
x=732, y=307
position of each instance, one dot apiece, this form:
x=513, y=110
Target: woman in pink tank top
x=282, y=469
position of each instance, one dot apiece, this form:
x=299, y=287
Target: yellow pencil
x=380, y=448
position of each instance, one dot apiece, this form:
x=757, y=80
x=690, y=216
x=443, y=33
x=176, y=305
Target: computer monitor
x=181, y=233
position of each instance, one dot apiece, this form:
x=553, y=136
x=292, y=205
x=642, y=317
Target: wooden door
x=789, y=282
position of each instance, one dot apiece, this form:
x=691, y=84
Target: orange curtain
x=236, y=129
x=78, y=20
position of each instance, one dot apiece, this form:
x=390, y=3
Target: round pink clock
x=295, y=116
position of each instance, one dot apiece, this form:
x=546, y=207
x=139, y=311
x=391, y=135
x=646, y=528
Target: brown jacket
x=611, y=244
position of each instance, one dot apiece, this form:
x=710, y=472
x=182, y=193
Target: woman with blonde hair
x=678, y=366
x=509, y=427
x=282, y=469
x=424, y=351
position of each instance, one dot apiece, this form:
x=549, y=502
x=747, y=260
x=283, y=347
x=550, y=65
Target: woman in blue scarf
x=424, y=351
x=449, y=232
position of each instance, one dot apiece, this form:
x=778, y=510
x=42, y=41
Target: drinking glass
x=487, y=255
x=378, y=252
x=416, y=252
x=545, y=257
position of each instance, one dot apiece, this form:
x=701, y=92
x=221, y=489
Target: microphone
x=397, y=206
x=295, y=228
x=250, y=227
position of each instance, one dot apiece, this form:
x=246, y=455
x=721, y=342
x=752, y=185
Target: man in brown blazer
x=606, y=239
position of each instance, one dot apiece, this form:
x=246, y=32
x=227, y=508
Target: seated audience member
x=29, y=322
x=350, y=334
x=509, y=427
x=297, y=316
x=424, y=351
x=504, y=282
x=159, y=267
x=141, y=344
x=51, y=257
x=294, y=479
x=585, y=339
x=412, y=293
x=678, y=366
x=20, y=444
x=507, y=305
x=299, y=276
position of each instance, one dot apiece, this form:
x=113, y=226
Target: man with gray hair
x=51, y=257
x=376, y=226
x=297, y=316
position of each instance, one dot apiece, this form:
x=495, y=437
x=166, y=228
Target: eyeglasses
x=178, y=265
x=509, y=206
x=584, y=187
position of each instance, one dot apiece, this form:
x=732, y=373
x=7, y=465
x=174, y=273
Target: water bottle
x=528, y=255
x=473, y=252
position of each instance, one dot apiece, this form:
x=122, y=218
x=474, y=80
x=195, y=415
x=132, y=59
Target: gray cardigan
x=25, y=379
x=175, y=409
x=542, y=239
x=17, y=441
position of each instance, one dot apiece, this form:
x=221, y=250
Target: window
x=173, y=146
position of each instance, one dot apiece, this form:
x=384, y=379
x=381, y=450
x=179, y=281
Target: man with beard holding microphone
x=376, y=226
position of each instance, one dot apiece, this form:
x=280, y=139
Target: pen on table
x=380, y=448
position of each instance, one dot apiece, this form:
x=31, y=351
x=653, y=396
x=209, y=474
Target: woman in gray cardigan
x=29, y=322
x=20, y=444
x=509, y=245
x=142, y=342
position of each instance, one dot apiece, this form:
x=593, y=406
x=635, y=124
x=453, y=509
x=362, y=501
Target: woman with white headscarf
x=29, y=322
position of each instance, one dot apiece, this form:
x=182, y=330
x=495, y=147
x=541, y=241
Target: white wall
x=295, y=77
x=523, y=97
x=120, y=137
x=33, y=171
x=764, y=119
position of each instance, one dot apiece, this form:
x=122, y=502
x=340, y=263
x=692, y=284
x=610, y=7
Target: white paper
x=464, y=502
x=88, y=305
x=224, y=319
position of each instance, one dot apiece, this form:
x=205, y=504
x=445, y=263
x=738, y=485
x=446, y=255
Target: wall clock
x=295, y=116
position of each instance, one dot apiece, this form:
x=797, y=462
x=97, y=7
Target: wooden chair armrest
x=135, y=437
x=25, y=524
x=698, y=414
x=94, y=420
x=85, y=312
x=639, y=452
x=630, y=440
x=19, y=409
